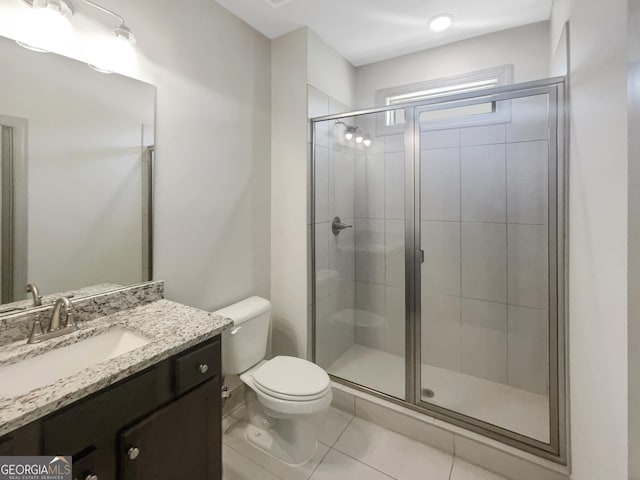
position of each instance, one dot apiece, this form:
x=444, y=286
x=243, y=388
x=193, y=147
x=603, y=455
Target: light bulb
x=348, y=134
x=367, y=140
x=112, y=54
x=359, y=138
x=440, y=23
x=46, y=28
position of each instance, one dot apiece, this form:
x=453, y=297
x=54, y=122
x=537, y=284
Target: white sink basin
x=48, y=368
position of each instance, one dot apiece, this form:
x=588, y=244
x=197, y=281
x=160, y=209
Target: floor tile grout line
x=319, y=461
x=253, y=462
x=453, y=461
x=365, y=464
x=343, y=430
x=332, y=447
x=396, y=433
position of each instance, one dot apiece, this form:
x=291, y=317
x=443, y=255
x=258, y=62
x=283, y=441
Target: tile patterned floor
x=350, y=448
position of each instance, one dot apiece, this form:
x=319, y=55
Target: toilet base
x=288, y=437
x=290, y=441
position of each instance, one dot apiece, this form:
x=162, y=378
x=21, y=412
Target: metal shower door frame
x=556, y=449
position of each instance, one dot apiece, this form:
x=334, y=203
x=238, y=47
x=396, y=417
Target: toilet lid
x=292, y=376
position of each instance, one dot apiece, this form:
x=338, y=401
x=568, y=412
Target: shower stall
x=438, y=253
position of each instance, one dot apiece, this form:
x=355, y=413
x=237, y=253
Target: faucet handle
x=68, y=319
x=34, y=335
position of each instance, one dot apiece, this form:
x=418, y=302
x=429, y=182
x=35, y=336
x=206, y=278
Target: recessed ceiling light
x=440, y=23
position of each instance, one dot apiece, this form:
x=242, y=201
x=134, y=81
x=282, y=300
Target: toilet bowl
x=283, y=392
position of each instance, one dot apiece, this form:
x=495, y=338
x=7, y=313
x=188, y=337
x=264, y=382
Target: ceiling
x=366, y=31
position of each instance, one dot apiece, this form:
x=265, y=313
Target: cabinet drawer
x=90, y=421
x=95, y=462
x=197, y=366
x=24, y=441
x=85, y=466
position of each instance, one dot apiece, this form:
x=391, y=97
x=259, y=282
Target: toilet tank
x=245, y=343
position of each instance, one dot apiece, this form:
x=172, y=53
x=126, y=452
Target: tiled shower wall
x=379, y=273
x=335, y=255
x=484, y=233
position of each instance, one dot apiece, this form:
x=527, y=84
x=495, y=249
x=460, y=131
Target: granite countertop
x=170, y=326
x=48, y=299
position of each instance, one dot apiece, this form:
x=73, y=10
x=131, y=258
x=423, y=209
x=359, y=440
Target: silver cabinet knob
x=91, y=477
x=133, y=453
x=203, y=367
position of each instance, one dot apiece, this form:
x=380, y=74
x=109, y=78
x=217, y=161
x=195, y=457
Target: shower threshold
x=502, y=405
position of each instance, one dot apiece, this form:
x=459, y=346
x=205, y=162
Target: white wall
x=634, y=239
x=289, y=193
x=212, y=72
x=598, y=240
x=559, y=15
x=84, y=168
x=302, y=64
x=558, y=34
x=525, y=47
x=329, y=72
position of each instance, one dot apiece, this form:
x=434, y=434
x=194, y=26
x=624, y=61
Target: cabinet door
x=181, y=441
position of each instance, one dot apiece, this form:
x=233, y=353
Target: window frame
x=491, y=78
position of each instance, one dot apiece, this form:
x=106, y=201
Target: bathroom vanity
x=162, y=423
x=152, y=412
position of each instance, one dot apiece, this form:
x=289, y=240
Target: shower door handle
x=420, y=256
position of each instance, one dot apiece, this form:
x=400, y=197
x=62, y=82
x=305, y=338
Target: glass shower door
x=487, y=303
x=438, y=259
x=359, y=254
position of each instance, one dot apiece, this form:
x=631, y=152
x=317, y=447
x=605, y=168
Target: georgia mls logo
x=36, y=468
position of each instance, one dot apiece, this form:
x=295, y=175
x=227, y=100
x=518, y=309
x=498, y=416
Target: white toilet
x=284, y=391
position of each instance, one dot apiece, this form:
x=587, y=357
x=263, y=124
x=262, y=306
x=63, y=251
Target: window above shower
x=392, y=121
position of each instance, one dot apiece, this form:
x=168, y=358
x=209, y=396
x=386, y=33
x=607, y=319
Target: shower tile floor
x=508, y=407
x=349, y=448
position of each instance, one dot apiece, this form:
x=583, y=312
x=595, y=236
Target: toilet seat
x=292, y=379
x=290, y=398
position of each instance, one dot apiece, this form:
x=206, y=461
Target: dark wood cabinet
x=149, y=450
x=96, y=463
x=171, y=413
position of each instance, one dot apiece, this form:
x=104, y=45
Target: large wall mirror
x=76, y=175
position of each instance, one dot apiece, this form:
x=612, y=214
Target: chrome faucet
x=33, y=290
x=56, y=327
x=54, y=324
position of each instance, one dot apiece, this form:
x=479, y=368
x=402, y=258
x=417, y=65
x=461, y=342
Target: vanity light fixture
x=349, y=131
x=31, y=47
x=98, y=69
x=122, y=31
x=49, y=22
x=440, y=23
x=353, y=131
x=110, y=55
x=60, y=7
x=52, y=12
